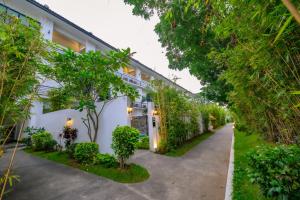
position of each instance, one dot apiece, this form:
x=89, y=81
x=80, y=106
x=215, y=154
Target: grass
x=189, y=145
x=242, y=187
x=133, y=174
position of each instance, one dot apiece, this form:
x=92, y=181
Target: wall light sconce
x=69, y=122
x=129, y=110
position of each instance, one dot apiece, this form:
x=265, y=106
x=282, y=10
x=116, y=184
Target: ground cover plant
x=86, y=156
x=186, y=147
x=133, y=174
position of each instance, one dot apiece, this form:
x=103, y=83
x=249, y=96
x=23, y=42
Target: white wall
x=113, y=115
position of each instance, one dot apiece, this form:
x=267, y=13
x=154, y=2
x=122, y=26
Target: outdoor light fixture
x=69, y=122
x=155, y=112
x=129, y=110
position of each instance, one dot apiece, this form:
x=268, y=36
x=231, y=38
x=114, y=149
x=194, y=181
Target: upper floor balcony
x=133, y=80
x=9, y=11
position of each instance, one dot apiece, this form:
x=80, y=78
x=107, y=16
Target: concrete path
x=200, y=174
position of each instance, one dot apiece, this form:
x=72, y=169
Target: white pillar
x=89, y=46
x=153, y=124
x=35, y=114
x=138, y=74
x=47, y=28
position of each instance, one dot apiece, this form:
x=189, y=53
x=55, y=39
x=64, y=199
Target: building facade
x=120, y=111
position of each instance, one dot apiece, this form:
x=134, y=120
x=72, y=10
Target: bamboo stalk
x=293, y=10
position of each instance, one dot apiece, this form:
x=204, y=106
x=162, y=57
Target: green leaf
x=285, y=25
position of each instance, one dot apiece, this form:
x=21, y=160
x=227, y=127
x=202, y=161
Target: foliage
x=86, y=152
x=133, y=174
x=124, y=140
x=29, y=131
x=143, y=142
x=43, y=141
x=23, y=53
x=70, y=149
x=255, y=72
x=12, y=180
x=179, y=116
x=184, y=31
x=190, y=144
x=88, y=79
x=57, y=99
x=242, y=187
x=70, y=135
x=106, y=160
x=213, y=114
x=276, y=170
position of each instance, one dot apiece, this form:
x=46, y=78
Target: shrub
x=86, y=152
x=42, y=141
x=69, y=134
x=143, y=142
x=124, y=143
x=276, y=170
x=70, y=149
x=106, y=160
x=29, y=131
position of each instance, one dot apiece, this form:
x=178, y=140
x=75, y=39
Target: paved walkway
x=199, y=175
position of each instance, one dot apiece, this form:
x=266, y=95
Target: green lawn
x=133, y=174
x=189, y=145
x=243, y=189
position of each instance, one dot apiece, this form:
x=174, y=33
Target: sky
x=113, y=22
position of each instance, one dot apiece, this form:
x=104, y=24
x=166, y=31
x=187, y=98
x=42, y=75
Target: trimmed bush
x=29, y=131
x=143, y=142
x=43, y=141
x=86, y=152
x=276, y=170
x=106, y=160
x=124, y=143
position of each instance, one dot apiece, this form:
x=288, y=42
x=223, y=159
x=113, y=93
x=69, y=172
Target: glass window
x=129, y=70
x=67, y=42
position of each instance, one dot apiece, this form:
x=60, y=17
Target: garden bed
x=190, y=144
x=132, y=174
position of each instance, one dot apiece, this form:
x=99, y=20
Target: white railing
x=132, y=80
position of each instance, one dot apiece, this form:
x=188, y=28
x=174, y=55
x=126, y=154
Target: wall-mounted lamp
x=129, y=110
x=155, y=112
x=69, y=122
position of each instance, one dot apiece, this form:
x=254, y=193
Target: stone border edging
x=228, y=192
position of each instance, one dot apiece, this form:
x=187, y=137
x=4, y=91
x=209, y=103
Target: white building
x=56, y=28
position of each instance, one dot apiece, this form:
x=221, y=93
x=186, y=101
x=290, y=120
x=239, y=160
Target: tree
x=124, y=142
x=23, y=52
x=186, y=31
x=90, y=80
x=254, y=72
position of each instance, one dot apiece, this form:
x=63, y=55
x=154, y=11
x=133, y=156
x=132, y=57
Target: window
x=145, y=77
x=129, y=70
x=67, y=42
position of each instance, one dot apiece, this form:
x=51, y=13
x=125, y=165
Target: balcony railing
x=132, y=80
x=139, y=105
x=9, y=11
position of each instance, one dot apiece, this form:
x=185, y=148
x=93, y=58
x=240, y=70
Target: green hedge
x=276, y=170
x=43, y=141
x=86, y=152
